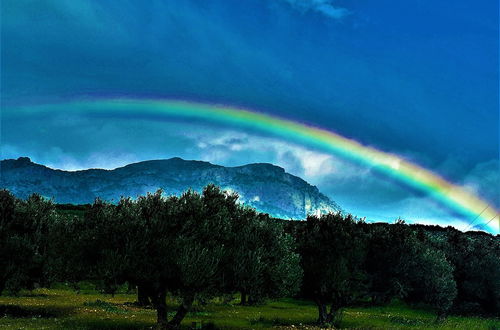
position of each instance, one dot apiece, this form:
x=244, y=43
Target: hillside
x=266, y=187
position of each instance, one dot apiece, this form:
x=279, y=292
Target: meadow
x=62, y=308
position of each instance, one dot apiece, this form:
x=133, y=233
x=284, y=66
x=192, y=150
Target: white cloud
x=308, y=164
x=315, y=163
x=324, y=7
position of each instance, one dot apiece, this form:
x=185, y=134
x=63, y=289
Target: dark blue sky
x=417, y=78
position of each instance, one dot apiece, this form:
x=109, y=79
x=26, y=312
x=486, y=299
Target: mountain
x=266, y=187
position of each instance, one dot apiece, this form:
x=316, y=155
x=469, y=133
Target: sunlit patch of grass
x=106, y=306
x=62, y=308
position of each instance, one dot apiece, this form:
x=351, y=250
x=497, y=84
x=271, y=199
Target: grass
x=61, y=308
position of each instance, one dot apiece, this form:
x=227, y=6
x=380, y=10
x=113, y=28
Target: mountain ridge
x=267, y=187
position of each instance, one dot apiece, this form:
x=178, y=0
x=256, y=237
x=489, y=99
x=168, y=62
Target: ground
x=62, y=308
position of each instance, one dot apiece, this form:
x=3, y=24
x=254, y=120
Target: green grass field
x=62, y=308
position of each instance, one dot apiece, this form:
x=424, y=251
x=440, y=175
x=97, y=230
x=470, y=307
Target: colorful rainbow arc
x=452, y=196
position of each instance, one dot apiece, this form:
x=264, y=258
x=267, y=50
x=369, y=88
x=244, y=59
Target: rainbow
x=446, y=193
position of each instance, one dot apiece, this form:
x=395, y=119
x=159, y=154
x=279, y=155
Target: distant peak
x=21, y=162
x=267, y=166
x=24, y=160
x=176, y=163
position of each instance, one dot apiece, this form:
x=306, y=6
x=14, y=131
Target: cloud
x=356, y=188
x=57, y=158
x=325, y=7
x=484, y=181
x=108, y=144
x=481, y=179
x=308, y=164
x=416, y=210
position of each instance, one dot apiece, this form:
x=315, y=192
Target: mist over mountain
x=264, y=186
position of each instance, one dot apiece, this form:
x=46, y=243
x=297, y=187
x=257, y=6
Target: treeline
x=199, y=246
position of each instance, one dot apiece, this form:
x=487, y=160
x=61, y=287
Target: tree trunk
x=243, y=298
x=183, y=309
x=322, y=312
x=130, y=287
x=441, y=316
x=142, y=296
x=160, y=303
x=228, y=298
x=335, y=316
x=251, y=300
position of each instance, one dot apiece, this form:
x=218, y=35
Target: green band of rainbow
x=451, y=195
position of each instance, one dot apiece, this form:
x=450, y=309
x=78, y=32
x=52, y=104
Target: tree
x=8, y=245
x=391, y=248
x=383, y=255
x=402, y=264
x=430, y=280
x=67, y=251
x=283, y=273
x=204, y=223
x=184, y=246
x=476, y=260
x=24, y=241
x=333, y=250
x=262, y=261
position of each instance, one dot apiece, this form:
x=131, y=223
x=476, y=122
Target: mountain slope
x=266, y=187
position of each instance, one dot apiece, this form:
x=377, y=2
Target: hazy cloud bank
x=324, y=7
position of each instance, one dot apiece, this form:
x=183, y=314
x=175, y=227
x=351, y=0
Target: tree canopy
x=197, y=246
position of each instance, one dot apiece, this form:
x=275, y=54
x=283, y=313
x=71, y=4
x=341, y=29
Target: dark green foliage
x=24, y=241
x=401, y=265
x=66, y=250
x=429, y=279
x=476, y=260
x=199, y=246
x=261, y=260
x=385, y=246
x=333, y=253
x=191, y=246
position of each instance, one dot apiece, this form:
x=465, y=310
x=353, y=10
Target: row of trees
x=346, y=261
x=195, y=246
x=198, y=246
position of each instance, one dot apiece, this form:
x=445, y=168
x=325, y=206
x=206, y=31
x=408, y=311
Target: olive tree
x=402, y=264
x=333, y=250
x=24, y=241
x=262, y=259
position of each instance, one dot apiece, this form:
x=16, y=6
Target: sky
x=416, y=78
